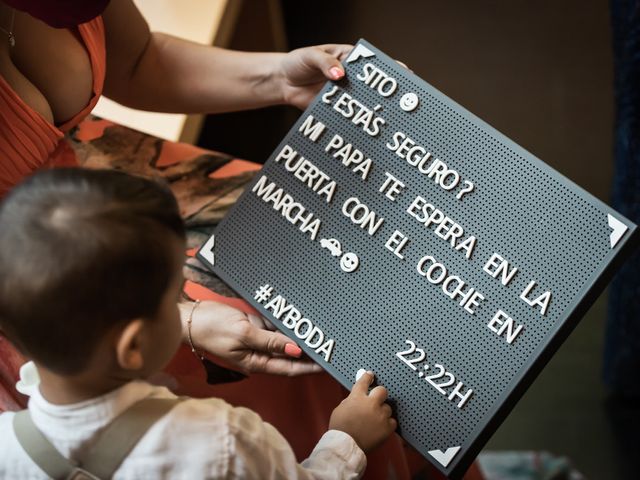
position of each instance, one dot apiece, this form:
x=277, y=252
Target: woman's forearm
x=219, y=80
x=158, y=72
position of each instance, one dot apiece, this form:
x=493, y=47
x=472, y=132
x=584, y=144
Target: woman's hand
x=246, y=342
x=305, y=70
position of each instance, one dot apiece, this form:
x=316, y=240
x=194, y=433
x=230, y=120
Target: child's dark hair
x=80, y=251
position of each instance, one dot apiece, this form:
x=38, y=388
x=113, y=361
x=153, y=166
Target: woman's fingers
x=266, y=341
x=283, y=366
x=323, y=60
x=266, y=350
x=337, y=50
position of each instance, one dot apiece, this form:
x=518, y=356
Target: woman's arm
x=158, y=72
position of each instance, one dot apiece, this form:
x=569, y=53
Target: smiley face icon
x=349, y=262
x=409, y=102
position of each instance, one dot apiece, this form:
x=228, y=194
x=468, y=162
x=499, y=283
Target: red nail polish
x=336, y=73
x=292, y=350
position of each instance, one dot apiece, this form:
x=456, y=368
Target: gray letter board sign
x=392, y=230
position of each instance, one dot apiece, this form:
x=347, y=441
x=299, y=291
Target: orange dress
x=28, y=141
x=298, y=407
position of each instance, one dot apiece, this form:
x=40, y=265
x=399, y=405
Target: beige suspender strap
x=113, y=445
x=39, y=449
x=122, y=434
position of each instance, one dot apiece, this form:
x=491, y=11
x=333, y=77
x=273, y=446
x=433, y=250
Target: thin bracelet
x=189, y=322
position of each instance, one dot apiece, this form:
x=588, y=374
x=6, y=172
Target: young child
x=90, y=270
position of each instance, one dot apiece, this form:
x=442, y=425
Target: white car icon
x=332, y=245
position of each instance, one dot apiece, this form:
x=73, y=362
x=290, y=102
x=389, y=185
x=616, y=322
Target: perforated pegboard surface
x=555, y=233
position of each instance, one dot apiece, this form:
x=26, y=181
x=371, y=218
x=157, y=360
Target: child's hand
x=367, y=418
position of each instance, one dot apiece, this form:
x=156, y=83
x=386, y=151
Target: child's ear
x=129, y=346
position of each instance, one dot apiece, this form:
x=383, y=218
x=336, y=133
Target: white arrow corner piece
x=618, y=229
x=359, y=51
x=444, y=458
x=207, y=250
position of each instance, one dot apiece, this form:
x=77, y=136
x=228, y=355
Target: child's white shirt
x=197, y=439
